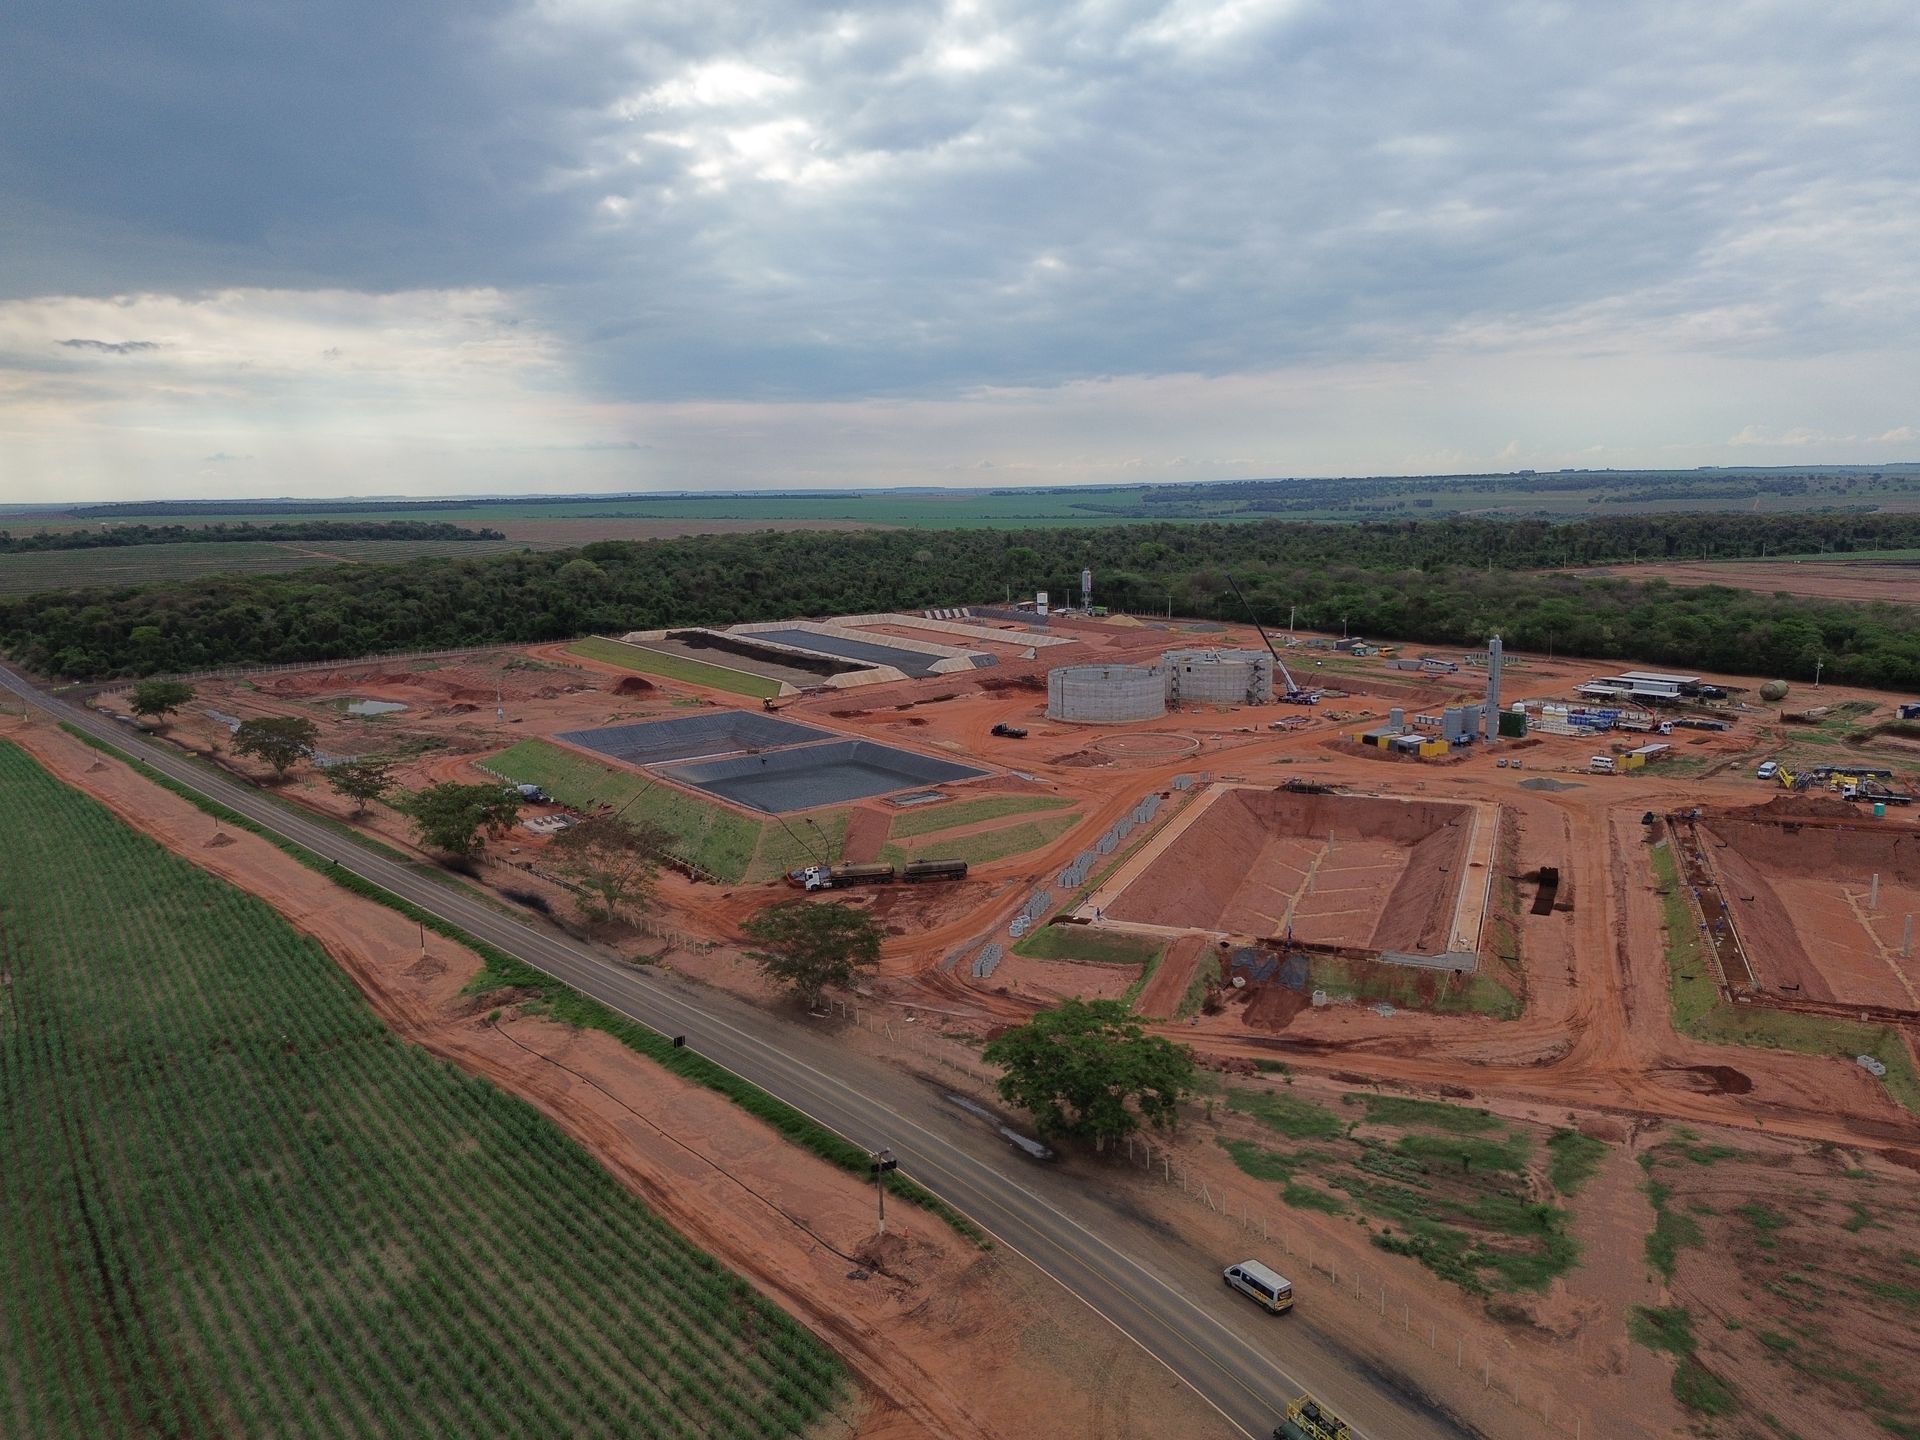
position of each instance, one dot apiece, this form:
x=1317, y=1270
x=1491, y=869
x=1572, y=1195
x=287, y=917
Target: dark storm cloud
x=112, y=347
x=714, y=201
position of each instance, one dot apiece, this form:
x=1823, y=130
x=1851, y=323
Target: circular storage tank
x=1106, y=694
x=1220, y=677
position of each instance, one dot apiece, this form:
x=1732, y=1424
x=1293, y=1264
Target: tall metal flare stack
x=1492, y=713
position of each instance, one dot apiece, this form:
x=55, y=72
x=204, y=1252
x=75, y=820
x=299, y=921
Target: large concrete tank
x=1219, y=677
x=1106, y=694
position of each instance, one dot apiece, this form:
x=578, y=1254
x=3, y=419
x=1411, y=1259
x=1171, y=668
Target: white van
x=1261, y=1283
x=1767, y=770
x=1601, y=765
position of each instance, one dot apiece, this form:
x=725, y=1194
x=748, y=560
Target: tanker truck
x=839, y=877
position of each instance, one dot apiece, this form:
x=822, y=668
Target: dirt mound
x=997, y=684
x=460, y=707
x=633, y=685
x=1713, y=1079
x=1802, y=807
x=219, y=841
x=1083, y=759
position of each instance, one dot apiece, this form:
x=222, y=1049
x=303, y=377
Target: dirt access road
x=1244, y=1368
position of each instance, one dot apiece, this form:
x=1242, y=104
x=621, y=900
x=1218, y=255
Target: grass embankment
x=1699, y=1011
x=984, y=846
x=730, y=846
x=950, y=816
x=566, y=1004
x=1088, y=945
x=673, y=667
x=239, y=1205
x=1406, y=987
x=1444, y=1184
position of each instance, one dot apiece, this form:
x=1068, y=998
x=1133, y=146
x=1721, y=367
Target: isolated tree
x=458, y=818
x=155, y=699
x=361, y=781
x=1088, y=1069
x=812, y=946
x=277, y=739
x=616, y=861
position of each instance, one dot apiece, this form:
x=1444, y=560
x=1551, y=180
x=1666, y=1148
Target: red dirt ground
x=1260, y=861
x=1799, y=884
x=1827, y=580
x=1168, y=987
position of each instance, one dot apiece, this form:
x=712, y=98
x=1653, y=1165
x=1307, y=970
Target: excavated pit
x=1337, y=870
x=1797, y=877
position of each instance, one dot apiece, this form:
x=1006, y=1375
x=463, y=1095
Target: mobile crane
x=1293, y=694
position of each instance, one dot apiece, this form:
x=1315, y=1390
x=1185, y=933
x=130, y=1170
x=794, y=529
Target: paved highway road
x=1168, y=1299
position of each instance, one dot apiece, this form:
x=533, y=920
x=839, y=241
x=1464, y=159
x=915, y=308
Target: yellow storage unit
x=1632, y=762
x=1433, y=748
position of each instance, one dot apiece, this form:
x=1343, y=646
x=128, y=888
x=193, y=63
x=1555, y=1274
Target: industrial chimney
x=1492, y=712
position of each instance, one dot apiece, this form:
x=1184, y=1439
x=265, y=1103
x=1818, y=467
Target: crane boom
x=1293, y=688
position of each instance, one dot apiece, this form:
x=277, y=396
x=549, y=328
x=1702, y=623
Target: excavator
x=1293, y=694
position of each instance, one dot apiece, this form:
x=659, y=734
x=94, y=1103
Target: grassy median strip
x=673, y=667
x=567, y=1004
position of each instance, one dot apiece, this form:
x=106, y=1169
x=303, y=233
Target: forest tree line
x=109, y=538
x=1450, y=582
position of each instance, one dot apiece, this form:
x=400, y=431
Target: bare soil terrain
x=1593, y=1044
x=1895, y=581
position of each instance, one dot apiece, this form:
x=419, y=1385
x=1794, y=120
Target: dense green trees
x=157, y=699
x=459, y=818
x=279, y=740
x=362, y=781
x=1089, y=1069
x=810, y=946
x=1446, y=582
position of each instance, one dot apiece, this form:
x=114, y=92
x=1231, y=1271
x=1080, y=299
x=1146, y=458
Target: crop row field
x=30, y=572
x=234, y=1203
x=731, y=846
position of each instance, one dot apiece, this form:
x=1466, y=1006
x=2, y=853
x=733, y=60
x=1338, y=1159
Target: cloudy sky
x=433, y=246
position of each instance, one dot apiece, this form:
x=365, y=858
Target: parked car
x=1009, y=732
x=1767, y=770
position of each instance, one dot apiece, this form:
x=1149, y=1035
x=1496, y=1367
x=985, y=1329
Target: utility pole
x=1818, y=666
x=881, y=1162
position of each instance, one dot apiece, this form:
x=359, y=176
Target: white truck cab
x=1263, y=1284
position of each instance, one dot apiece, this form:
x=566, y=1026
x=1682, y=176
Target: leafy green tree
x=279, y=740
x=458, y=818
x=812, y=946
x=156, y=699
x=615, y=861
x=1088, y=1069
x=361, y=781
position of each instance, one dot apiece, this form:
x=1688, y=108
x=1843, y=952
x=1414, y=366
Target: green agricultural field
x=673, y=667
x=729, y=845
x=31, y=571
x=925, y=821
x=236, y=1204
